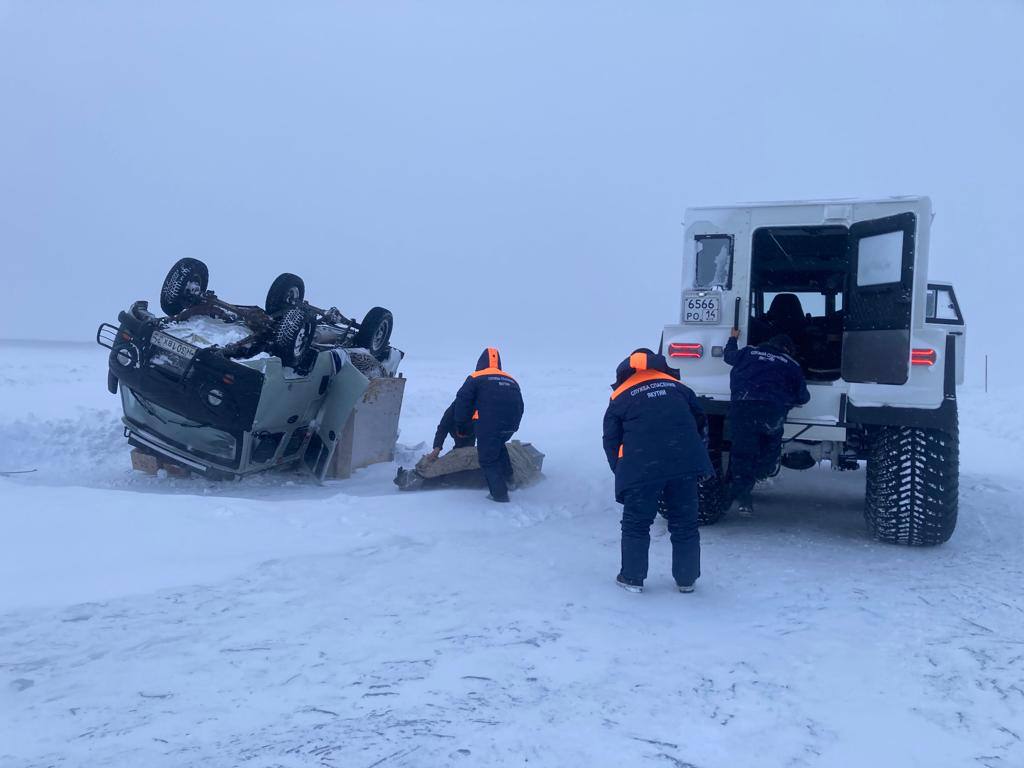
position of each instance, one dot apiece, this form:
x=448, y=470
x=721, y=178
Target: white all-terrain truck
x=881, y=345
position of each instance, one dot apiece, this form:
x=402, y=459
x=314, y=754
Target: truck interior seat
x=786, y=315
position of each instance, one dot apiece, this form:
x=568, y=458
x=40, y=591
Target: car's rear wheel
x=375, y=332
x=285, y=292
x=712, y=500
x=368, y=365
x=184, y=285
x=292, y=337
x=913, y=478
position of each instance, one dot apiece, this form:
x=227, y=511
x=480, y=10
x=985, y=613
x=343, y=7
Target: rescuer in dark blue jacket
x=490, y=400
x=447, y=427
x=653, y=440
x=765, y=382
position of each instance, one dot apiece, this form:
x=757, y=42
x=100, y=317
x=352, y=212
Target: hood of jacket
x=489, y=358
x=640, y=360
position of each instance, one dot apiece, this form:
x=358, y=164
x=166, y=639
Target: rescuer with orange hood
x=653, y=440
x=491, y=400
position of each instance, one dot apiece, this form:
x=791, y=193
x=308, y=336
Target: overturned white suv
x=881, y=345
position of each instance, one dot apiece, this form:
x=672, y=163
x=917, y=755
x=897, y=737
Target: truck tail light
x=691, y=351
x=923, y=357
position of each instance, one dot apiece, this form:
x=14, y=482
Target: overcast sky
x=495, y=173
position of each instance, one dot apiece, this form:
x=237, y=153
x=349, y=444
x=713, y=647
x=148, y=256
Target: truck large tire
x=913, y=485
x=712, y=500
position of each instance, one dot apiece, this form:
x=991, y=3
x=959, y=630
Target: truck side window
x=714, y=261
x=880, y=259
x=942, y=306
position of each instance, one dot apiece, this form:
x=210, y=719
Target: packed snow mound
x=203, y=331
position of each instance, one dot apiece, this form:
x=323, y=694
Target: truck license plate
x=705, y=308
x=173, y=345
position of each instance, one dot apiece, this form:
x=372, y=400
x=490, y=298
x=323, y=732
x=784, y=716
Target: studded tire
x=712, y=500
x=913, y=485
x=366, y=364
x=292, y=337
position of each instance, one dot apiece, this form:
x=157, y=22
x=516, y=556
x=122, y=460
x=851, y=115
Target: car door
x=883, y=256
x=344, y=391
x=943, y=310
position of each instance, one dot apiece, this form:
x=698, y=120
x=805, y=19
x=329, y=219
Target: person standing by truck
x=765, y=382
x=652, y=439
x=490, y=400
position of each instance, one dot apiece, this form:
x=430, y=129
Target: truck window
x=714, y=261
x=880, y=259
x=812, y=303
x=942, y=306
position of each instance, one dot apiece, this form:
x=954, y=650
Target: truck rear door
x=887, y=258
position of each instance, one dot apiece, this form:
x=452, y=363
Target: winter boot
x=629, y=585
x=745, y=506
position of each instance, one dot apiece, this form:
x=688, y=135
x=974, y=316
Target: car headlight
x=215, y=397
x=126, y=356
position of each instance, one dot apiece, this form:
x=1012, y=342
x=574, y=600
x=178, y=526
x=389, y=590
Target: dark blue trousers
x=640, y=507
x=495, y=461
x=756, y=432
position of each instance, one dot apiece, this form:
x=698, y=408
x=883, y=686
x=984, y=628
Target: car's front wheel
x=912, y=485
x=285, y=292
x=184, y=285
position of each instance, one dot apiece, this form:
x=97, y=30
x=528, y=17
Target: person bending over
x=765, y=382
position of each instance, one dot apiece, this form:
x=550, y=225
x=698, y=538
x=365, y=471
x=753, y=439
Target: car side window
x=942, y=306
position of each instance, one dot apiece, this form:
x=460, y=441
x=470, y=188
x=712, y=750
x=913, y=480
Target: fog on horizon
x=510, y=174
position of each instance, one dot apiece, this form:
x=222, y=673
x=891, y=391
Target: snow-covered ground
x=273, y=622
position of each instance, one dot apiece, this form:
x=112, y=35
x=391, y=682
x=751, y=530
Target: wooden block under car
x=175, y=470
x=143, y=461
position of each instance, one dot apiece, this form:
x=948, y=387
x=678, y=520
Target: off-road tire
x=375, y=332
x=366, y=364
x=292, y=337
x=712, y=500
x=184, y=285
x=285, y=292
x=912, y=485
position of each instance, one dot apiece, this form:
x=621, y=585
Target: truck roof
x=828, y=201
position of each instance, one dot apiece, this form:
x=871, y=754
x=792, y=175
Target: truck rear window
x=714, y=261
